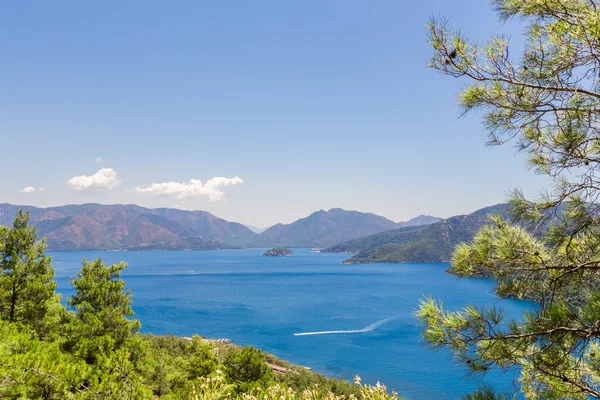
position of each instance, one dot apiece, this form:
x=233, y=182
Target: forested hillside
x=365, y=245
x=433, y=243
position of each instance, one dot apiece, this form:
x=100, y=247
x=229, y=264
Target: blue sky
x=300, y=105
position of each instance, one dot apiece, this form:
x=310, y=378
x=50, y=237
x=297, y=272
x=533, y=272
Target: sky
x=257, y=111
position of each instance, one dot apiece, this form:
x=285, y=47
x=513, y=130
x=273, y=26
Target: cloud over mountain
x=105, y=178
x=194, y=188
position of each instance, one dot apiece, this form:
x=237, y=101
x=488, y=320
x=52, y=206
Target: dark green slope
x=366, y=245
x=435, y=243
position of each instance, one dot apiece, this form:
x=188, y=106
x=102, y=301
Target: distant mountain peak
x=324, y=228
x=255, y=229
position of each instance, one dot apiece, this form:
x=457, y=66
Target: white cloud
x=100, y=160
x=105, y=178
x=28, y=189
x=193, y=188
x=41, y=189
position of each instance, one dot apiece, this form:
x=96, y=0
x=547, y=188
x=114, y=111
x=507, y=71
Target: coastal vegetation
x=93, y=349
x=366, y=245
x=547, y=100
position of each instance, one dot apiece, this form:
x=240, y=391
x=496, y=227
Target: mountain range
x=429, y=243
x=324, y=228
x=111, y=227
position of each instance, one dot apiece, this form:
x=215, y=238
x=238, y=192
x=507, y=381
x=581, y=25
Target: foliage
x=487, y=393
x=547, y=101
x=30, y=368
x=26, y=274
x=203, y=360
x=247, y=368
x=216, y=388
x=101, y=306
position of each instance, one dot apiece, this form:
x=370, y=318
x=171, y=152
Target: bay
x=307, y=308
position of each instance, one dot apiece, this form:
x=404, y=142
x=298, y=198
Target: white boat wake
x=369, y=328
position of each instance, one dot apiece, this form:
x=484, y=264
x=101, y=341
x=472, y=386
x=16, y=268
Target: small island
x=278, y=252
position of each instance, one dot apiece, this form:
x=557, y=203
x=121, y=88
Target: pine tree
x=547, y=101
x=102, y=306
x=27, y=287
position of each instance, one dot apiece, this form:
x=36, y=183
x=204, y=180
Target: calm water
x=263, y=301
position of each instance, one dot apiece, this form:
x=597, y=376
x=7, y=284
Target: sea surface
x=307, y=308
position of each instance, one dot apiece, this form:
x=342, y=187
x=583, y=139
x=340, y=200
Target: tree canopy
x=545, y=100
x=102, y=306
x=26, y=274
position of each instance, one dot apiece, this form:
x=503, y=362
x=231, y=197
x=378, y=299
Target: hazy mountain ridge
x=324, y=228
x=419, y=220
x=207, y=225
x=111, y=227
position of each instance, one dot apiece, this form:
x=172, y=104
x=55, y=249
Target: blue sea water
x=264, y=301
